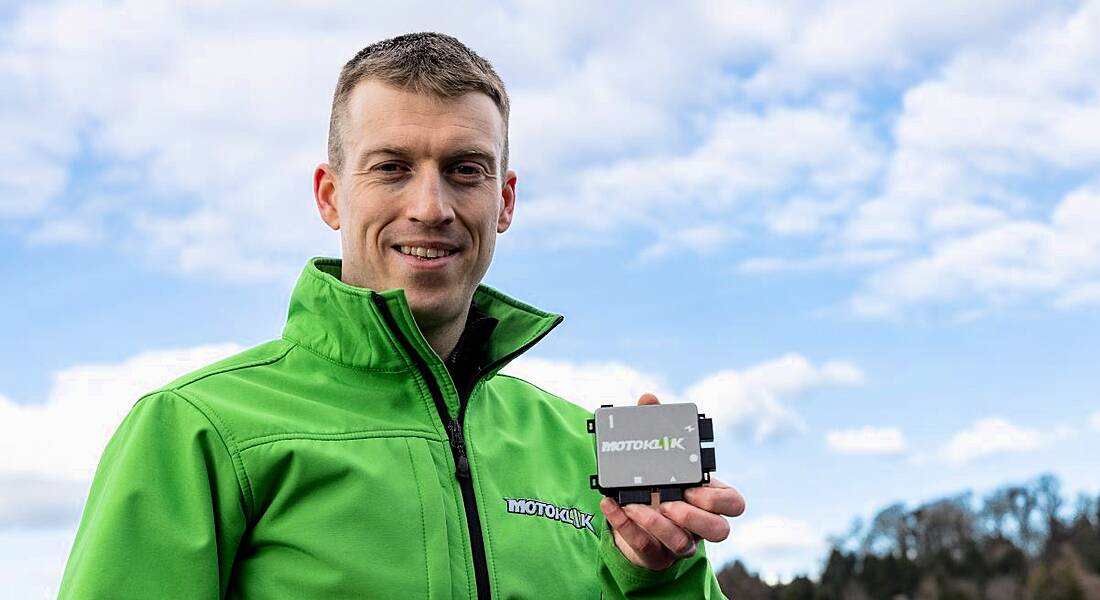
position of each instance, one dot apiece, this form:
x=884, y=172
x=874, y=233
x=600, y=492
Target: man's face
x=420, y=200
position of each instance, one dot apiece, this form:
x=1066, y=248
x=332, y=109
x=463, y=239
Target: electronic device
x=651, y=448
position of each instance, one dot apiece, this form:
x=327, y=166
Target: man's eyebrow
x=473, y=152
x=464, y=152
x=364, y=157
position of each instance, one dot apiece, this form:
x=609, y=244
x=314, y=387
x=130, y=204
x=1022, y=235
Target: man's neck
x=444, y=337
x=441, y=336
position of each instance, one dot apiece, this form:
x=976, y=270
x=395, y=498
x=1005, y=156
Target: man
x=375, y=450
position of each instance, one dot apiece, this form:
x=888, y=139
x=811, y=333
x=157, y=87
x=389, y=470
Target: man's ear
x=507, y=201
x=326, y=192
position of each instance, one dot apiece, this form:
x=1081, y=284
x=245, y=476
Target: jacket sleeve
x=686, y=578
x=166, y=510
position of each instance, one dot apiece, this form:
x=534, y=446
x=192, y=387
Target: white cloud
x=786, y=546
x=601, y=94
x=46, y=445
x=34, y=502
x=989, y=437
x=859, y=41
x=1094, y=420
x=994, y=115
x=846, y=259
x=866, y=440
x=776, y=534
x=1014, y=260
x=40, y=134
x=703, y=239
x=754, y=401
x=64, y=232
x=32, y=561
x=998, y=118
x=802, y=216
x=1085, y=294
x=793, y=374
x=590, y=385
x=745, y=157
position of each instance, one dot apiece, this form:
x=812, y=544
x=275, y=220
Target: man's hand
x=655, y=537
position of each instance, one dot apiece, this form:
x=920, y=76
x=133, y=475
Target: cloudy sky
x=864, y=236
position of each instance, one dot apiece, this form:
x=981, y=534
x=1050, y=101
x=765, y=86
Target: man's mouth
x=427, y=257
x=424, y=253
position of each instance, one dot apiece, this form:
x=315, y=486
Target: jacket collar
x=341, y=323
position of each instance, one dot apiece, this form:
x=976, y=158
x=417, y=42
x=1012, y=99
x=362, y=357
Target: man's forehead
x=375, y=106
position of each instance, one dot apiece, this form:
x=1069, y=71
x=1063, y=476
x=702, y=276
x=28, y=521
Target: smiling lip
x=438, y=245
x=433, y=264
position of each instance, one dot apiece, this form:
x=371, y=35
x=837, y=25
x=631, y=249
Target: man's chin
x=434, y=308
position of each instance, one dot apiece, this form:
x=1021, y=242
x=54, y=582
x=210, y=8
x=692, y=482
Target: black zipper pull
x=462, y=464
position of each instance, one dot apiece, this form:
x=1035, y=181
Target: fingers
x=648, y=399
x=634, y=535
x=669, y=534
x=709, y=526
x=716, y=497
x=635, y=543
x=655, y=538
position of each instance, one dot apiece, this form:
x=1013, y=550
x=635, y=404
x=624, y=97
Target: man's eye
x=469, y=170
x=389, y=167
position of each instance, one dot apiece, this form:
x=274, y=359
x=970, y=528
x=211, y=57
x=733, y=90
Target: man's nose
x=431, y=201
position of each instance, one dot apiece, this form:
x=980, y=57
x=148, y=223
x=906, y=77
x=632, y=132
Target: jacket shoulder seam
x=297, y=344
x=226, y=369
x=244, y=483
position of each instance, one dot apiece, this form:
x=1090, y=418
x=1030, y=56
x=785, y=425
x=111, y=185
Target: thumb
x=648, y=399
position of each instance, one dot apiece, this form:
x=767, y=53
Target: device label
x=538, y=508
x=662, y=443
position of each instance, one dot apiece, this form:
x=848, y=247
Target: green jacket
x=335, y=462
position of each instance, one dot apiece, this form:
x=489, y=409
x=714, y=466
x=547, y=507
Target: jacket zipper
x=456, y=437
x=456, y=440
x=462, y=464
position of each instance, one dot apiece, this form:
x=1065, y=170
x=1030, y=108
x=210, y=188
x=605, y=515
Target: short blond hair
x=429, y=63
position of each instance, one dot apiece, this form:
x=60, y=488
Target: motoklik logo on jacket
x=538, y=508
x=662, y=443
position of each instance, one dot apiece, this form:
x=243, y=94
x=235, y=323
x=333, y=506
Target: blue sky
x=864, y=236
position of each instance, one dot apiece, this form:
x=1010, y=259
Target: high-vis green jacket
x=339, y=462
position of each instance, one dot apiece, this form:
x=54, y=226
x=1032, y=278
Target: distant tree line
x=1021, y=542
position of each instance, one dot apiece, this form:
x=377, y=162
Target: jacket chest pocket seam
x=264, y=440
x=423, y=519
